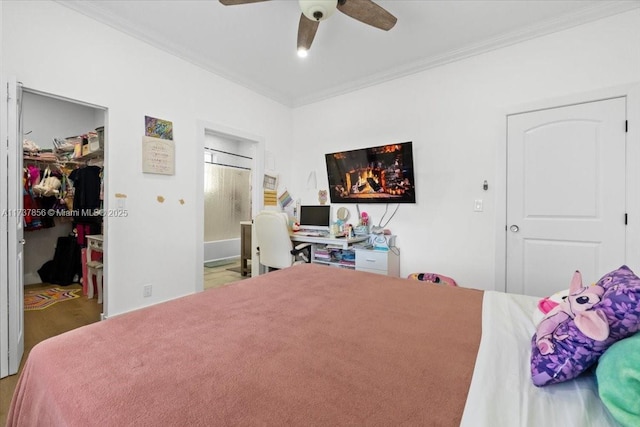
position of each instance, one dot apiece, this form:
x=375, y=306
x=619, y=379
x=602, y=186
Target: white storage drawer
x=371, y=260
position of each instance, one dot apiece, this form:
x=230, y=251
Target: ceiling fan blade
x=368, y=12
x=306, y=32
x=234, y=2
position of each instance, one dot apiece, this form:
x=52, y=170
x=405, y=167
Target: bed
x=308, y=345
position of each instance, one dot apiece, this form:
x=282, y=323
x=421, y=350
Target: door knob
x=514, y=228
x=22, y=241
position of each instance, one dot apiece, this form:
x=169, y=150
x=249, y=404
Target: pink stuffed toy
x=577, y=306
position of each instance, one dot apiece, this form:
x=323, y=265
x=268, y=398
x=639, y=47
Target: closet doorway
x=62, y=186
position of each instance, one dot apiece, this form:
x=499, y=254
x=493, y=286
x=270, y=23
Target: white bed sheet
x=501, y=392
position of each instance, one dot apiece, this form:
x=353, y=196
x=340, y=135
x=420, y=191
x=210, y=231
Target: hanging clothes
x=29, y=221
x=45, y=187
x=87, y=183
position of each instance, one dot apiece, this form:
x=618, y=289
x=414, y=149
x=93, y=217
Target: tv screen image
x=382, y=174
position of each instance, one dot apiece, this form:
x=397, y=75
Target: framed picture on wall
x=270, y=182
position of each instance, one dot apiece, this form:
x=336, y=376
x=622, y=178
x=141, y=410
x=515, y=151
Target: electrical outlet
x=146, y=291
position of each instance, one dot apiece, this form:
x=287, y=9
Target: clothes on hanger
x=87, y=184
x=29, y=221
x=87, y=199
x=85, y=229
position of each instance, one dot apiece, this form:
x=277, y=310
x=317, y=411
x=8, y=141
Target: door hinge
x=626, y=125
x=625, y=218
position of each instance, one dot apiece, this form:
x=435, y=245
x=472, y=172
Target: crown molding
x=597, y=11
x=587, y=15
x=90, y=10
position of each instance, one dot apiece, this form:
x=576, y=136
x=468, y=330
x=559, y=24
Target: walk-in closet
x=63, y=176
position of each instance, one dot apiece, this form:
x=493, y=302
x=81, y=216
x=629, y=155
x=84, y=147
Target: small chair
x=94, y=268
x=274, y=242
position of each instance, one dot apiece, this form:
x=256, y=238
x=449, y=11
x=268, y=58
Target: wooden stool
x=94, y=268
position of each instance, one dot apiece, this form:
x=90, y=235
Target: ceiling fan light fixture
x=318, y=10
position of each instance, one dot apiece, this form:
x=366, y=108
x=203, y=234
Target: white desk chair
x=274, y=242
x=94, y=268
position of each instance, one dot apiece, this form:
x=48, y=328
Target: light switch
x=477, y=205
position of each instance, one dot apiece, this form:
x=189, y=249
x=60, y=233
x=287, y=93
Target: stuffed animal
x=322, y=196
x=577, y=306
x=437, y=279
x=546, y=304
x=581, y=328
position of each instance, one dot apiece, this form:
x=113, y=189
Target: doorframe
x=257, y=171
x=632, y=193
x=11, y=285
x=105, y=185
x=4, y=267
x=5, y=182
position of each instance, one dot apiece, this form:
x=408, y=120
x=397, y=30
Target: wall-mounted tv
x=381, y=174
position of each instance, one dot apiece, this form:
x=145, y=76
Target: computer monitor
x=315, y=217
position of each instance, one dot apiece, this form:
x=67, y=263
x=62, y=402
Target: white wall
x=47, y=117
x=455, y=116
x=53, y=49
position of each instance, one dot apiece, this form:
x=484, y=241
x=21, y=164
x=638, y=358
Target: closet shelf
x=98, y=154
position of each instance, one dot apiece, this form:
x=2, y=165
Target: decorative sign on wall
x=270, y=198
x=270, y=182
x=158, y=156
x=158, y=128
x=285, y=199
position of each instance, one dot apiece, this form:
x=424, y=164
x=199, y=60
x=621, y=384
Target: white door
x=565, y=195
x=12, y=286
x=4, y=278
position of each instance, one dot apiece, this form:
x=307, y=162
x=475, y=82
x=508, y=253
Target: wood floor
x=215, y=277
x=42, y=324
x=70, y=314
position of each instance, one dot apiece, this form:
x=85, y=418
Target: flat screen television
x=315, y=217
x=381, y=174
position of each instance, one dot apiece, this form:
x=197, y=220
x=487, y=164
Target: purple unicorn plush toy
x=576, y=332
x=577, y=306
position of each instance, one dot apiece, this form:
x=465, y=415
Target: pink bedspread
x=309, y=345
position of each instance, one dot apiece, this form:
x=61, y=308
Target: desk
x=343, y=242
x=373, y=261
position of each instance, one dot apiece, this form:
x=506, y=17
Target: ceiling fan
x=314, y=11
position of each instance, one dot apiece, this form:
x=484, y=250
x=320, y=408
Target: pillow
x=618, y=375
x=573, y=335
